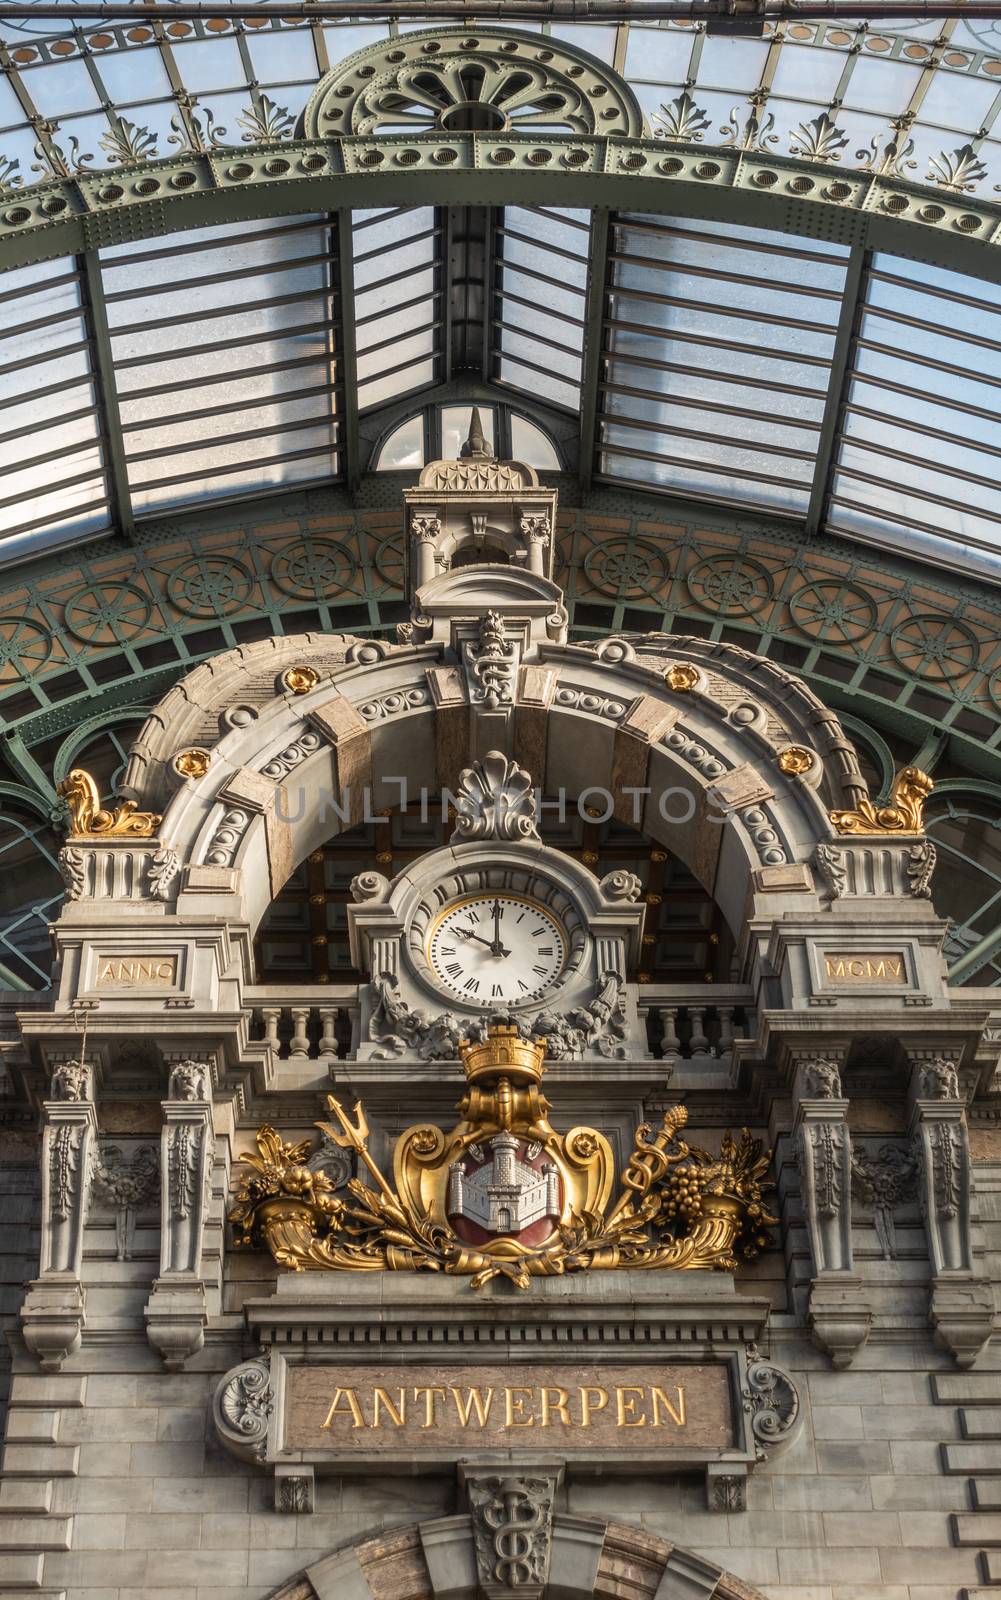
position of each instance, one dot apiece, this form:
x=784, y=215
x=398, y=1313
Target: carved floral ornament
x=504, y=1195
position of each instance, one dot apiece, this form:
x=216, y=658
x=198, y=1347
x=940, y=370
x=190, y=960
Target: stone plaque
x=137, y=972
x=849, y=968
x=429, y=1410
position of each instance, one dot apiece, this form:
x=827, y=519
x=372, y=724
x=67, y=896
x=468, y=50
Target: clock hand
x=496, y=947
x=497, y=950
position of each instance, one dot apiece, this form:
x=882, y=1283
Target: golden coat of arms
x=504, y=1194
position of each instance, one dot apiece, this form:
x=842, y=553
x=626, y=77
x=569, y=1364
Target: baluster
x=670, y=1044
x=328, y=1037
x=271, y=1016
x=299, y=1043
x=698, y=1043
x=726, y=1031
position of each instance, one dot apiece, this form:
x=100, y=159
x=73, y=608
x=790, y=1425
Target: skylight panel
x=918, y=456
x=52, y=476
x=397, y=301
x=225, y=350
x=541, y=284
x=717, y=352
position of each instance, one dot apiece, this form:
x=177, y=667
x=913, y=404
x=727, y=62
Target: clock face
x=496, y=949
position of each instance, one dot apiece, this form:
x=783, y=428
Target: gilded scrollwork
x=88, y=817
x=503, y=1194
x=903, y=814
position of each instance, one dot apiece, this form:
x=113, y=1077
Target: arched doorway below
x=590, y=1558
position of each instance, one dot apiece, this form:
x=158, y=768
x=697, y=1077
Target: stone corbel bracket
x=839, y=1315
x=176, y=1313
x=53, y=1314
x=961, y=1302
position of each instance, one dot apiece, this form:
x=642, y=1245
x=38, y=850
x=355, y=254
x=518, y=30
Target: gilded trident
x=354, y=1136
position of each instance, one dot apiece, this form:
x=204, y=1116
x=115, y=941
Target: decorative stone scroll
x=495, y=799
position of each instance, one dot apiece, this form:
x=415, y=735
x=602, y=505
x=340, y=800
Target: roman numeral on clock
x=496, y=993
x=472, y=985
x=541, y=971
x=454, y=969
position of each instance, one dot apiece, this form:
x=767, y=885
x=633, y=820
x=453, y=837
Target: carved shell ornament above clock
x=457, y=80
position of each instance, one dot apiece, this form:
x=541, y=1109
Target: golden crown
x=504, y=1053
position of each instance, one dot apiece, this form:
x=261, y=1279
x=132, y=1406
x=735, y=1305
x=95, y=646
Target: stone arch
x=590, y=1557
x=295, y=731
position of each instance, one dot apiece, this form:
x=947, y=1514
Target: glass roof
x=718, y=357
x=728, y=364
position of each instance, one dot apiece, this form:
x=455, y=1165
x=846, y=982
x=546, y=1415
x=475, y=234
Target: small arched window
x=437, y=434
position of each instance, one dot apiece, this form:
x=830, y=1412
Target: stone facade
x=151, y=1442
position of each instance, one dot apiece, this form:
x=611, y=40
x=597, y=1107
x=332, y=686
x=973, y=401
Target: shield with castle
x=503, y=1180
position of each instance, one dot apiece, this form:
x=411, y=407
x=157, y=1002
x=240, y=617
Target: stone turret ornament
x=503, y=1194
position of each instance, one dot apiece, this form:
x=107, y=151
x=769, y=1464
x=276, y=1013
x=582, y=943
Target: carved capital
x=295, y=1490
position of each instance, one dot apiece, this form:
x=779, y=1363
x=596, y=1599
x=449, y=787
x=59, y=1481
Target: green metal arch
x=982, y=788
x=786, y=193
x=18, y=794
x=85, y=731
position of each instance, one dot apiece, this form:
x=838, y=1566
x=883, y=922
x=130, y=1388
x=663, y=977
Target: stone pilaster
x=838, y=1313
x=961, y=1304
x=176, y=1312
x=53, y=1313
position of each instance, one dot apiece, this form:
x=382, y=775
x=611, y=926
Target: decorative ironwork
x=960, y=169
x=87, y=816
x=820, y=139
x=731, y=586
x=755, y=132
x=459, y=81
x=265, y=122
x=679, y=1207
x=903, y=814
x=681, y=118
x=127, y=145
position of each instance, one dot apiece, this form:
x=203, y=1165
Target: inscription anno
x=429, y=1409
x=123, y=972
x=866, y=969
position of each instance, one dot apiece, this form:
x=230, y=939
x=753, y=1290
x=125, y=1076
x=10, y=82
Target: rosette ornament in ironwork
x=463, y=80
x=503, y=1194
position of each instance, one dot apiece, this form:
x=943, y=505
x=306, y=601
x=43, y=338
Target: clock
x=495, y=948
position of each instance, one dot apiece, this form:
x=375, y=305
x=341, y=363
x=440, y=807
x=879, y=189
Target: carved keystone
x=511, y=1510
